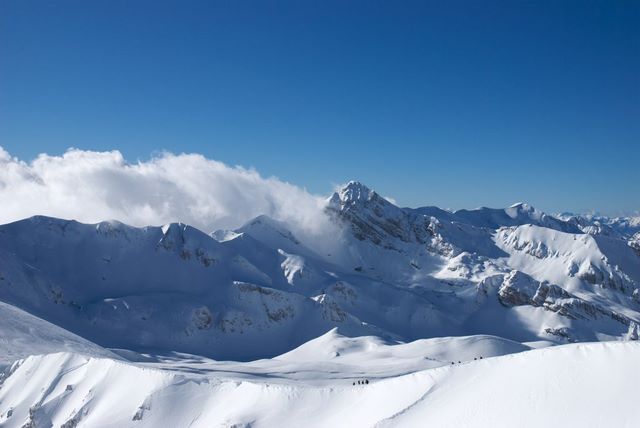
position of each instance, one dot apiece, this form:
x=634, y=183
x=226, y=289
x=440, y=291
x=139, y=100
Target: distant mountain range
x=396, y=273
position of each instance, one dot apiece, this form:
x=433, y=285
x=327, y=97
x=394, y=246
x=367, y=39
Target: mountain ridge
x=395, y=272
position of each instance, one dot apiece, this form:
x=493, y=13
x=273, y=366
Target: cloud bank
x=93, y=186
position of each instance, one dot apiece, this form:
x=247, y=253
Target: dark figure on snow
x=367, y=381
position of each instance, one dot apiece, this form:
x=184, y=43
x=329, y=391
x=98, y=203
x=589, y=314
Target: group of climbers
x=366, y=381
x=474, y=358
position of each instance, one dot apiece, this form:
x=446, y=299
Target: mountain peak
x=266, y=229
x=352, y=193
x=524, y=209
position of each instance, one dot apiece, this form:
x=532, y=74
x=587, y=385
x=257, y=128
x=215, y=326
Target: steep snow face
x=569, y=385
x=576, y=260
x=22, y=334
x=267, y=230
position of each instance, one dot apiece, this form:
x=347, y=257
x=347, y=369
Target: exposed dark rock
x=563, y=332
x=520, y=289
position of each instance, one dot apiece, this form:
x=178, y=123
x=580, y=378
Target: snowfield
x=395, y=317
x=586, y=385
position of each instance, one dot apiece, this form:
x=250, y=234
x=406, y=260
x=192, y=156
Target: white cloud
x=94, y=186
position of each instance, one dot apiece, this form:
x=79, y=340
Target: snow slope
x=560, y=386
x=586, y=385
x=22, y=334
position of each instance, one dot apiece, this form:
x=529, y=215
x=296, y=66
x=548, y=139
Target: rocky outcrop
x=202, y=318
x=562, y=332
x=370, y=217
x=613, y=279
x=373, y=218
x=520, y=289
x=175, y=239
x=331, y=310
x=632, y=332
x=634, y=243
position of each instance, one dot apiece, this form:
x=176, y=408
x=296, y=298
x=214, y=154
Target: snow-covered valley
x=467, y=318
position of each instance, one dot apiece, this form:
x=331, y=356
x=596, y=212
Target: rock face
x=632, y=333
x=394, y=272
x=519, y=289
x=634, y=243
x=202, y=318
x=373, y=218
x=369, y=217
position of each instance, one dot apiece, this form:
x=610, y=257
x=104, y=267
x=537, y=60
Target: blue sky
x=456, y=104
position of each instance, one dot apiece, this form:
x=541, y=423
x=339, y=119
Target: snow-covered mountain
x=259, y=291
x=125, y=295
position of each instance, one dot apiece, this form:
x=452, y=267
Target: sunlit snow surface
x=415, y=384
x=396, y=316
